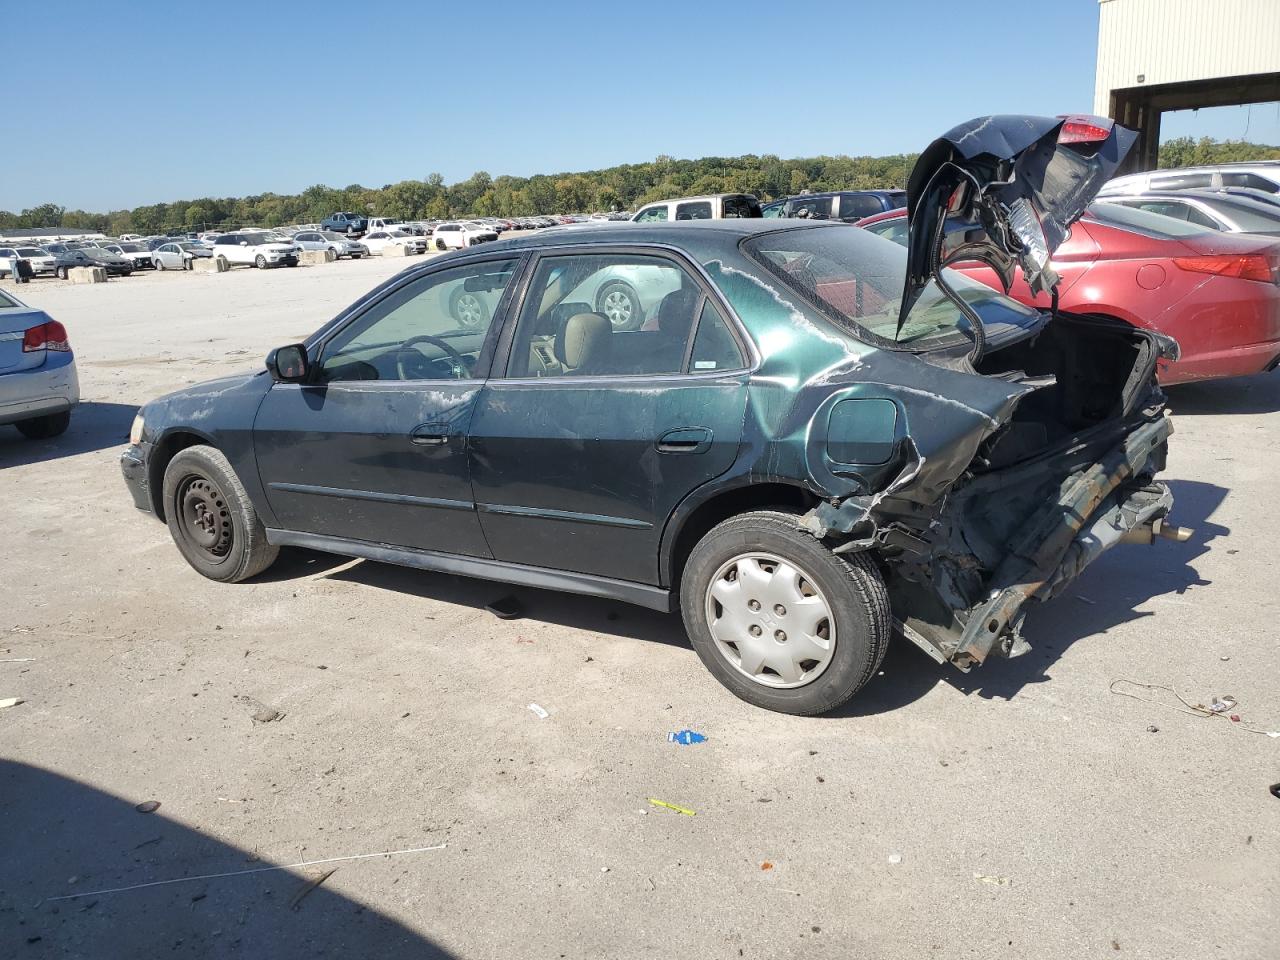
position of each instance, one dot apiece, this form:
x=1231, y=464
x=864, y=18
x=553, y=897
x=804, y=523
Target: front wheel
x=260, y=262
x=42, y=428
x=160, y=265
x=211, y=518
x=779, y=619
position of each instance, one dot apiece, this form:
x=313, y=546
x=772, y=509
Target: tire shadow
x=1259, y=393
x=94, y=426
x=58, y=828
x=1106, y=595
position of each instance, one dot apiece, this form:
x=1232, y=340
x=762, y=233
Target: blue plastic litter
x=686, y=737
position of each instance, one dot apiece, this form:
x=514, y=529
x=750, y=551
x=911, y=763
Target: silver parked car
x=1214, y=210
x=41, y=261
x=328, y=240
x=178, y=255
x=1256, y=175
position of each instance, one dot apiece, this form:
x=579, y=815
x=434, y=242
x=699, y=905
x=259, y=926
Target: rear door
x=582, y=451
x=373, y=448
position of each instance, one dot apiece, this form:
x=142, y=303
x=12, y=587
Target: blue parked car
x=38, y=382
x=846, y=205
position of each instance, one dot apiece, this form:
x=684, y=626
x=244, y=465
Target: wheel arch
x=698, y=514
x=162, y=453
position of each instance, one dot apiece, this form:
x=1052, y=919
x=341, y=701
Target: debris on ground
x=19, y=660
x=1152, y=728
x=895, y=858
x=766, y=865
x=10, y=702
x=309, y=886
x=148, y=806
x=261, y=712
x=686, y=737
x=504, y=608
x=671, y=806
x=1218, y=706
x=994, y=881
x=538, y=711
x=1222, y=704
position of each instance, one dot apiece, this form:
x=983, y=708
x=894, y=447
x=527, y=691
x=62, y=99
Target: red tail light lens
x=1085, y=130
x=1249, y=266
x=47, y=336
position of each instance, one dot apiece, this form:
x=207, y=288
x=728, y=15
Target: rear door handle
x=685, y=440
x=429, y=434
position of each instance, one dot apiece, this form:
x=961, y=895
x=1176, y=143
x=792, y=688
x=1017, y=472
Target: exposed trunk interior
x=1095, y=371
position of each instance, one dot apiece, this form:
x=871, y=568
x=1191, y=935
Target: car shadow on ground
x=1238, y=395
x=1106, y=595
x=548, y=606
x=64, y=837
x=94, y=426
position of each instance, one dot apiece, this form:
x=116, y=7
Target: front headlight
x=135, y=431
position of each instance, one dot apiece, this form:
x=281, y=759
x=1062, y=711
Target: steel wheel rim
x=770, y=621
x=205, y=518
x=470, y=310
x=617, y=307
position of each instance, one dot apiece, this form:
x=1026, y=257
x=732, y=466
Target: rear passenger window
x=699, y=210
x=1202, y=219
x=606, y=315
x=858, y=206
x=714, y=347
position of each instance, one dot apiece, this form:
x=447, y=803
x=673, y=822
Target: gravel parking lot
x=1022, y=810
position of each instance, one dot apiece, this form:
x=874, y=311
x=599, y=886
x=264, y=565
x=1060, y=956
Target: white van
x=720, y=206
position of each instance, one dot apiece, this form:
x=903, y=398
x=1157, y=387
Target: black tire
x=42, y=428
x=211, y=518
x=60, y=272
x=627, y=299
x=856, y=594
x=441, y=246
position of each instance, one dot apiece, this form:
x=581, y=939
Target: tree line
x=624, y=187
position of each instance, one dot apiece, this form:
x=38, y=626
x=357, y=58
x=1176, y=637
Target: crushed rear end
x=1014, y=465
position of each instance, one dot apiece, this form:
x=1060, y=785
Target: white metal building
x=1158, y=55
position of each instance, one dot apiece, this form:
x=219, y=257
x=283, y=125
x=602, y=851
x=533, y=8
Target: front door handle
x=685, y=440
x=429, y=434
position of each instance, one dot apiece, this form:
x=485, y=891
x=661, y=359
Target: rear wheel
x=211, y=518
x=441, y=246
x=42, y=428
x=60, y=272
x=620, y=303
x=779, y=619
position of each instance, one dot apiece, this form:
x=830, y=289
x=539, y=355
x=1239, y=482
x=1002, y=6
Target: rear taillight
x=47, y=336
x=1246, y=266
x=1084, y=129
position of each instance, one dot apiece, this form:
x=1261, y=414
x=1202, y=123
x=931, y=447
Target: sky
x=121, y=105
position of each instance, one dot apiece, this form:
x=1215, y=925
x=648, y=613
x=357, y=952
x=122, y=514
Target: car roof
x=628, y=232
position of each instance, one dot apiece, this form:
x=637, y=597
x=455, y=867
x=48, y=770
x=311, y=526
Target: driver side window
x=431, y=329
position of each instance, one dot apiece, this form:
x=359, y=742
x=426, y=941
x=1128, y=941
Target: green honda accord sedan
x=812, y=441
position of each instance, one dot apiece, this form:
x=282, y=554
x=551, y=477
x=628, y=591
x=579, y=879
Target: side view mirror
x=288, y=364
x=244, y=243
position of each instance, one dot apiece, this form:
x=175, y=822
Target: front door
x=580, y=454
x=374, y=448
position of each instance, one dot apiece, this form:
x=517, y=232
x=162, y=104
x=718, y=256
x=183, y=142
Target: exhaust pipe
x=1157, y=528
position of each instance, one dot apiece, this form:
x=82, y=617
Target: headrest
x=581, y=339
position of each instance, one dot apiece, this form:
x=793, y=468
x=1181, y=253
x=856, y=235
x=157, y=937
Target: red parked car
x=1217, y=294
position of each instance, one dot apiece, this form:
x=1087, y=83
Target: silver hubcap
x=617, y=307
x=770, y=621
x=470, y=310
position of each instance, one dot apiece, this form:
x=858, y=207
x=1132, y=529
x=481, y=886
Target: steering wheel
x=405, y=354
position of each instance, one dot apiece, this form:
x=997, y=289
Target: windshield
x=1143, y=221
x=332, y=236
x=255, y=239
x=188, y=245
x=132, y=247
x=857, y=278
x=30, y=252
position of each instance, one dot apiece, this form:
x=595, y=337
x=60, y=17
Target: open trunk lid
x=1004, y=190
